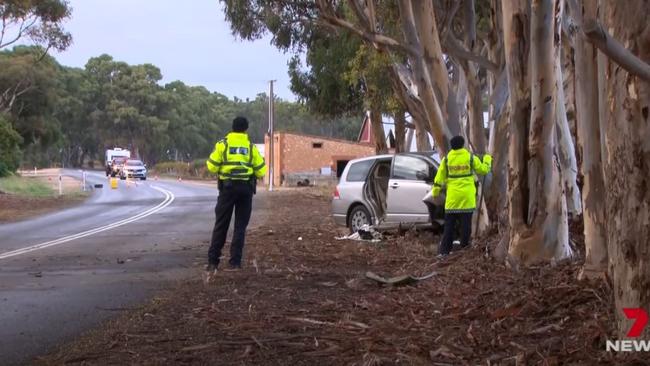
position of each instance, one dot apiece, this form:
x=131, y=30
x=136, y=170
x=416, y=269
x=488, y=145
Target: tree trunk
x=537, y=209
x=427, y=30
x=566, y=150
x=400, y=130
x=496, y=194
x=423, y=79
x=627, y=165
x=422, y=142
x=593, y=187
x=475, y=111
x=378, y=131
x=477, y=137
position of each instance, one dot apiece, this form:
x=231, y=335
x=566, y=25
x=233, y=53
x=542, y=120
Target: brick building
x=315, y=158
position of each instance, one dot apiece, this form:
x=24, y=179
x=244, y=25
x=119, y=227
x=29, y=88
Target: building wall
x=298, y=153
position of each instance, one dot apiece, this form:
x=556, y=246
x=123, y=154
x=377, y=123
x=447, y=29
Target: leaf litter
x=309, y=302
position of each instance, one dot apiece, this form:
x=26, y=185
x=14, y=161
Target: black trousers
x=237, y=196
x=465, y=219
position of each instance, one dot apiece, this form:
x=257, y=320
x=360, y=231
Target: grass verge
x=25, y=186
x=22, y=197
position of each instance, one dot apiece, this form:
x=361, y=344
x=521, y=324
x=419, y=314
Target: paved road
x=65, y=272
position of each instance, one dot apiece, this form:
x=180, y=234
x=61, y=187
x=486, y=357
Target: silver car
x=134, y=169
x=386, y=191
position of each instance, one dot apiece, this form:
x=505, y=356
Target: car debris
x=365, y=233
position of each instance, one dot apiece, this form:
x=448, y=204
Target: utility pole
x=271, y=135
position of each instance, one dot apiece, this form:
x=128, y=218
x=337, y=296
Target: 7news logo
x=640, y=317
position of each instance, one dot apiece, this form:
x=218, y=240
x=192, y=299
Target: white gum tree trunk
x=537, y=207
x=626, y=127
x=423, y=78
x=566, y=149
x=588, y=129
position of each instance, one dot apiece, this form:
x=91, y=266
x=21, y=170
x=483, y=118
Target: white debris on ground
x=365, y=233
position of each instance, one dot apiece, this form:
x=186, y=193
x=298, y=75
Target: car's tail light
x=336, y=193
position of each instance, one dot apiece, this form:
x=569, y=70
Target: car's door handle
x=394, y=185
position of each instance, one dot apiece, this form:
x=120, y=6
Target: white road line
x=169, y=198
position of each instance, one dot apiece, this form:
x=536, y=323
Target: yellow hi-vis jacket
x=236, y=158
x=456, y=172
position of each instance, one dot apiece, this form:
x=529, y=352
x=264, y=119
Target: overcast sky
x=188, y=40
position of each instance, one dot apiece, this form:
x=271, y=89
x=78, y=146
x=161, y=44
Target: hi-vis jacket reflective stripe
x=236, y=158
x=456, y=172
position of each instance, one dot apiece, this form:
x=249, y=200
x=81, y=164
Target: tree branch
x=446, y=28
x=456, y=49
x=21, y=30
x=597, y=35
x=361, y=16
x=370, y=36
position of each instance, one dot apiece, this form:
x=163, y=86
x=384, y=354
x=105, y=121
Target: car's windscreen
x=134, y=163
x=359, y=171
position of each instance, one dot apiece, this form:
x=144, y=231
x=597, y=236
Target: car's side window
x=410, y=168
x=359, y=171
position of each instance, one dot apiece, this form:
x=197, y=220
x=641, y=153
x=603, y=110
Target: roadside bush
x=9, y=148
x=194, y=170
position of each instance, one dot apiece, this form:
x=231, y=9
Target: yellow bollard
x=114, y=183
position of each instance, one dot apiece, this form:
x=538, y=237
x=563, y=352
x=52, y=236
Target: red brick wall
x=297, y=154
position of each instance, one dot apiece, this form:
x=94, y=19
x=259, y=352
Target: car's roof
x=430, y=154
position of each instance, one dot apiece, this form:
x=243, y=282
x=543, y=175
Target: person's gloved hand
x=435, y=192
x=487, y=159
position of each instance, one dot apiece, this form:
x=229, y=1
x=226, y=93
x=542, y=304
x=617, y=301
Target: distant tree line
x=68, y=115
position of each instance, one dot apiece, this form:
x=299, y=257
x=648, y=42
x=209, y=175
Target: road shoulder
x=29, y=196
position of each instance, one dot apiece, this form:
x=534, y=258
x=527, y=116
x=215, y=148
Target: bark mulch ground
x=303, y=299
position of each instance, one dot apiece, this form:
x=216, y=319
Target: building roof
x=319, y=137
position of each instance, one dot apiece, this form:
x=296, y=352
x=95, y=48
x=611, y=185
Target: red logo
x=641, y=320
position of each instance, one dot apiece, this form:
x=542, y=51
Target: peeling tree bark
x=400, y=130
x=425, y=24
x=537, y=209
x=475, y=111
x=423, y=79
x=593, y=188
x=566, y=149
x=378, y=131
x=627, y=165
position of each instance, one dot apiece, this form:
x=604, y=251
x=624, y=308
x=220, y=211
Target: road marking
x=169, y=198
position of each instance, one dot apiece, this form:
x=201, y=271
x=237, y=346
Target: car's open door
x=411, y=179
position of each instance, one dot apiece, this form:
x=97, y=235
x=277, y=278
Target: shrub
x=195, y=169
x=9, y=148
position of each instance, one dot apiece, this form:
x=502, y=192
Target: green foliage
x=25, y=186
x=69, y=116
x=9, y=148
x=321, y=87
x=289, y=21
x=40, y=21
x=343, y=76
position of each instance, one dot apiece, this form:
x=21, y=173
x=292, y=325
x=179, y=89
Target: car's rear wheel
x=143, y=178
x=358, y=217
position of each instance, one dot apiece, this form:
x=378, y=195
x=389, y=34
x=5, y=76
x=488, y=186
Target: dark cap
x=239, y=124
x=457, y=142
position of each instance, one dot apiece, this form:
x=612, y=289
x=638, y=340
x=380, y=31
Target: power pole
x=271, y=135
